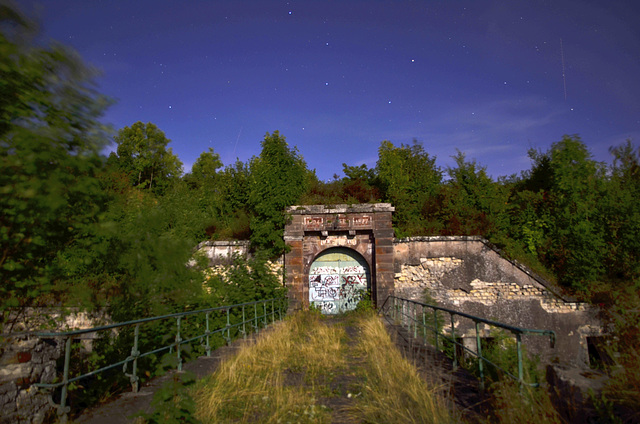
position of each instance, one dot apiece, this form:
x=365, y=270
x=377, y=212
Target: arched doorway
x=338, y=277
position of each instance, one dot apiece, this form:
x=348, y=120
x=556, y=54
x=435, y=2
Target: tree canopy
x=73, y=219
x=278, y=178
x=50, y=138
x=142, y=152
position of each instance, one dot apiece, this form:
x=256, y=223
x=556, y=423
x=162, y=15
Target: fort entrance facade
x=337, y=253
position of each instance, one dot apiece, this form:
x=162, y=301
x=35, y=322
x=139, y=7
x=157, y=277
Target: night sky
x=491, y=78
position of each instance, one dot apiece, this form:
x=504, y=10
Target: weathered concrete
x=469, y=275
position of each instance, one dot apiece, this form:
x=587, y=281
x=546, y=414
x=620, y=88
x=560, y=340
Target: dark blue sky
x=338, y=77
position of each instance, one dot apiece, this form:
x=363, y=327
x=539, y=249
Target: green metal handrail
x=260, y=319
x=407, y=311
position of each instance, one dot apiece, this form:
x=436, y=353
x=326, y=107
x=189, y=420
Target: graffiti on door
x=337, y=280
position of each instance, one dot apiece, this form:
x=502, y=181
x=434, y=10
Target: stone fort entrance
x=337, y=252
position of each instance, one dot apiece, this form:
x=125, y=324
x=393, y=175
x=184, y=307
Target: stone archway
x=338, y=278
x=365, y=229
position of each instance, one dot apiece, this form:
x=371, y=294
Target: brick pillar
x=383, y=234
x=294, y=269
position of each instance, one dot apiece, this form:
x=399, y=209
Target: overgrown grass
x=512, y=403
x=275, y=380
x=311, y=370
x=289, y=375
x=392, y=390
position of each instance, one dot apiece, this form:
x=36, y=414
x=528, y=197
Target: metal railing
x=241, y=319
x=416, y=315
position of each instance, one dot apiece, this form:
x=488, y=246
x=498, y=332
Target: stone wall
x=220, y=256
x=26, y=359
x=469, y=275
x=222, y=252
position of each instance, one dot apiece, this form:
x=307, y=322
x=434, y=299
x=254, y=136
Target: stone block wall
x=26, y=359
x=221, y=252
x=469, y=275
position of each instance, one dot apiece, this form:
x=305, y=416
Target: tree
x=142, y=151
x=361, y=172
x=206, y=167
x=474, y=203
x=50, y=139
x=623, y=214
x=407, y=177
x=278, y=177
x=570, y=187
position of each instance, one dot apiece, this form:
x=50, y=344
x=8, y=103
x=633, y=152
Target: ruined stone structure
x=364, y=229
x=461, y=273
x=26, y=359
x=469, y=275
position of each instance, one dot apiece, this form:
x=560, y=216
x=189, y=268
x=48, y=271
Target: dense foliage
x=82, y=230
x=50, y=139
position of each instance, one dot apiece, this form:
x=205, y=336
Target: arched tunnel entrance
x=338, y=278
x=336, y=252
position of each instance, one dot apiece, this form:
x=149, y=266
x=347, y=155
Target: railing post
x=255, y=318
x=264, y=317
x=435, y=325
x=415, y=321
x=228, y=338
x=135, y=353
x=178, y=343
x=455, y=346
x=395, y=310
x=62, y=409
x=405, y=313
x=424, y=327
x=520, y=367
x=480, y=357
x=207, y=341
x=244, y=329
x=273, y=314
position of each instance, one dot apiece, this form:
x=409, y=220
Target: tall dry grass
x=392, y=391
x=512, y=403
x=253, y=386
x=286, y=377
